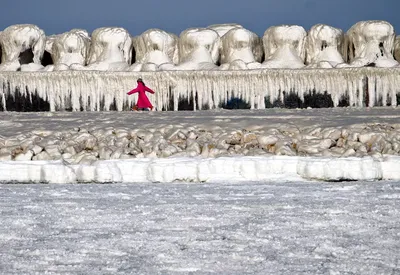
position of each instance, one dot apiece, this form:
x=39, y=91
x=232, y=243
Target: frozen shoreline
x=223, y=145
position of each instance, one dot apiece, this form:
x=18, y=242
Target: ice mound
x=284, y=47
x=371, y=43
x=153, y=48
x=240, y=49
x=110, y=50
x=198, y=49
x=324, y=46
x=21, y=44
x=71, y=48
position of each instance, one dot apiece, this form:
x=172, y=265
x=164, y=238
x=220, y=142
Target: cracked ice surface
x=250, y=228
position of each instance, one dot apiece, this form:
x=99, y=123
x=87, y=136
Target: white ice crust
x=234, y=169
x=284, y=47
x=222, y=29
x=371, y=42
x=153, y=48
x=240, y=49
x=15, y=40
x=324, y=46
x=110, y=50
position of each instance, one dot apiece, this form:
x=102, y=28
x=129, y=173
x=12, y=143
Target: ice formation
x=284, y=47
x=198, y=49
x=153, y=48
x=240, y=49
x=371, y=43
x=397, y=48
x=21, y=44
x=324, y=46
x=70, y=48
x=110, y=50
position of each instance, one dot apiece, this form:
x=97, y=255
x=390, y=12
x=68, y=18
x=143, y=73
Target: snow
x=212, y=228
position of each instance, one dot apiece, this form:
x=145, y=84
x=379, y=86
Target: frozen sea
x=201, y=228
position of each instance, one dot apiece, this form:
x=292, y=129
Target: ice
x=156, y=47
x=284, y=47
x=371, y=43
x=222, y=29
x=198, y=49
x=324, y=46
x=202, y=228
x=110, y=49
x=24, y=37
x=240, y=45
x=71, y=48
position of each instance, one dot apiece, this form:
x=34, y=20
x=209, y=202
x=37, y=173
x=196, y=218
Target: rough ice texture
x=240, y=49
x=198, y=49
x=371, y=43
x=397, y=48
x=284, y=47
x=324, y=46
x=18, y=39
x=90, y=90
x=155, y=47
x=110, y=49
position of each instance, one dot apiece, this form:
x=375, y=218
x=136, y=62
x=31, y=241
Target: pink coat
x=143, y=100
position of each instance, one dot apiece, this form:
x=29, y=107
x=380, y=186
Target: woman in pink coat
x=143, y=101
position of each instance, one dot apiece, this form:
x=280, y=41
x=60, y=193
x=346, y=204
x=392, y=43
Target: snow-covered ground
x=213, y=228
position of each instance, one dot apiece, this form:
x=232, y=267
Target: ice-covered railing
x=95, y=90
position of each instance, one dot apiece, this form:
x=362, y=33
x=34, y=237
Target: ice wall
x=222, y=29
x=324, y=46
x=284, y=47
x=153, y=48
x=110, y=50
x=240, y=49
x=21, y=44
x=371, y=43
x=94, y=90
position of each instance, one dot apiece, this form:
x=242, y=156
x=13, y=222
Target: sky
x=55, y=16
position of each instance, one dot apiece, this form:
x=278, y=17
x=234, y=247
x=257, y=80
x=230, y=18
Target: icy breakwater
x=96, y=91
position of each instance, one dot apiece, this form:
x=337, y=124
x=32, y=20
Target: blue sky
x=57, y=16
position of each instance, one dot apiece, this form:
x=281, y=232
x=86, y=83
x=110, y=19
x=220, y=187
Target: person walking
x=143, y=102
